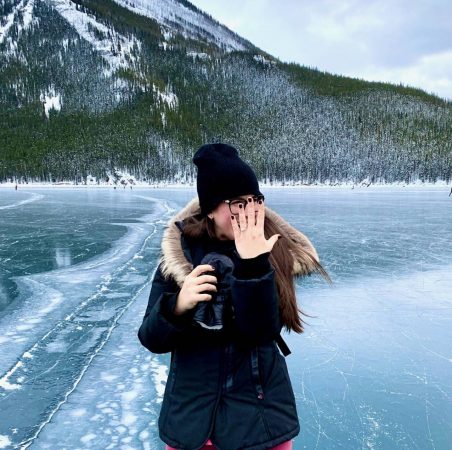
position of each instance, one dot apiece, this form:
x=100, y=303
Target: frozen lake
x=371, y=371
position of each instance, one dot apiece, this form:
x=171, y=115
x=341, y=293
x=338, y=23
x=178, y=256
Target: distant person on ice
x=222, y=291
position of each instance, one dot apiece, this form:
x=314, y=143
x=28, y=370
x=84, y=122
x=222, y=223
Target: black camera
x=209, y=315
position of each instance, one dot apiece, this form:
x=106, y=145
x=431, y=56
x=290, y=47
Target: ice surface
x=28, y=198
x=372, y=369
x=118, y=399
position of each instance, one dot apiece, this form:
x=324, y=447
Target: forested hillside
x=88, y=88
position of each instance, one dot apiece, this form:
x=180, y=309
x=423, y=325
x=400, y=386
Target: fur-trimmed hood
x=175, y=264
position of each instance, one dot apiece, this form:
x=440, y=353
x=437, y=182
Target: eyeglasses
x=234, y=205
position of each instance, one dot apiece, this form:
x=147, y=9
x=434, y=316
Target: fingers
x=195, y=286
x=201, y=295
x=205, y=287
x=271, y=242
x=260, y=216
x=235, y=227
x=206, y=279
x=251, y=212
x=242, y=219
x=198, y=270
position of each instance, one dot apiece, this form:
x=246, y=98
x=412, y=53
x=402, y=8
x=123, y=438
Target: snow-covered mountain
x=119, y=50
x=188, y=20
x=89, y=88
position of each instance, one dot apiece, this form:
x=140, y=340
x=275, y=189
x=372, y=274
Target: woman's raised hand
x=194, y=284
x=249, y=237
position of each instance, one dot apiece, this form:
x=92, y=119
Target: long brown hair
x=282, y=260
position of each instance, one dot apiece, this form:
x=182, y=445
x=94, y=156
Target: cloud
x=384, y=41
x=407, y=41
x=430, y=73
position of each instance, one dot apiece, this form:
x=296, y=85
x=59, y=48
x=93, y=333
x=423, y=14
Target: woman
x=221, y=294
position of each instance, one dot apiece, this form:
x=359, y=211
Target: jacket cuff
x=167, y=305
x=248, y=268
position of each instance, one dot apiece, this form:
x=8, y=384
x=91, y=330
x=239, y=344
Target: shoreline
x=20, y=186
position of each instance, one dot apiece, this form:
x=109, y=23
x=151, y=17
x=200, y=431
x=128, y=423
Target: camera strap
x=282, y=345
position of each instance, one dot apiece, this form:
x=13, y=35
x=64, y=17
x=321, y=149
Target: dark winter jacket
x=230, y=385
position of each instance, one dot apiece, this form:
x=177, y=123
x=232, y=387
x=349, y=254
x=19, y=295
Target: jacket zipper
x=255, y=372
x=258, y=386
x=217, y=400
x=173, y=366
x=228, y=379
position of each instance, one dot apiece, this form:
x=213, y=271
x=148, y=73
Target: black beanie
x=222, y=175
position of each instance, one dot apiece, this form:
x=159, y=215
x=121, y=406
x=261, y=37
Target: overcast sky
x=399, y=41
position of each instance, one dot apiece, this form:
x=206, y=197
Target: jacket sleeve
x=255, y=300
x=161, y=328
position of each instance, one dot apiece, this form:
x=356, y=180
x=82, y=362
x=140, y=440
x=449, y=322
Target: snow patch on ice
x=4, y=380
x=79, y=412
x=32, y=198
x=4, y=441
x=159, y=376
x=88, y=437
x=105, y=376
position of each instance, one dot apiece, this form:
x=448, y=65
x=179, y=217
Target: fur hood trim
x=175, y=264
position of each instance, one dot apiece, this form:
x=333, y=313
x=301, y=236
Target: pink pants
x=209, y=446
